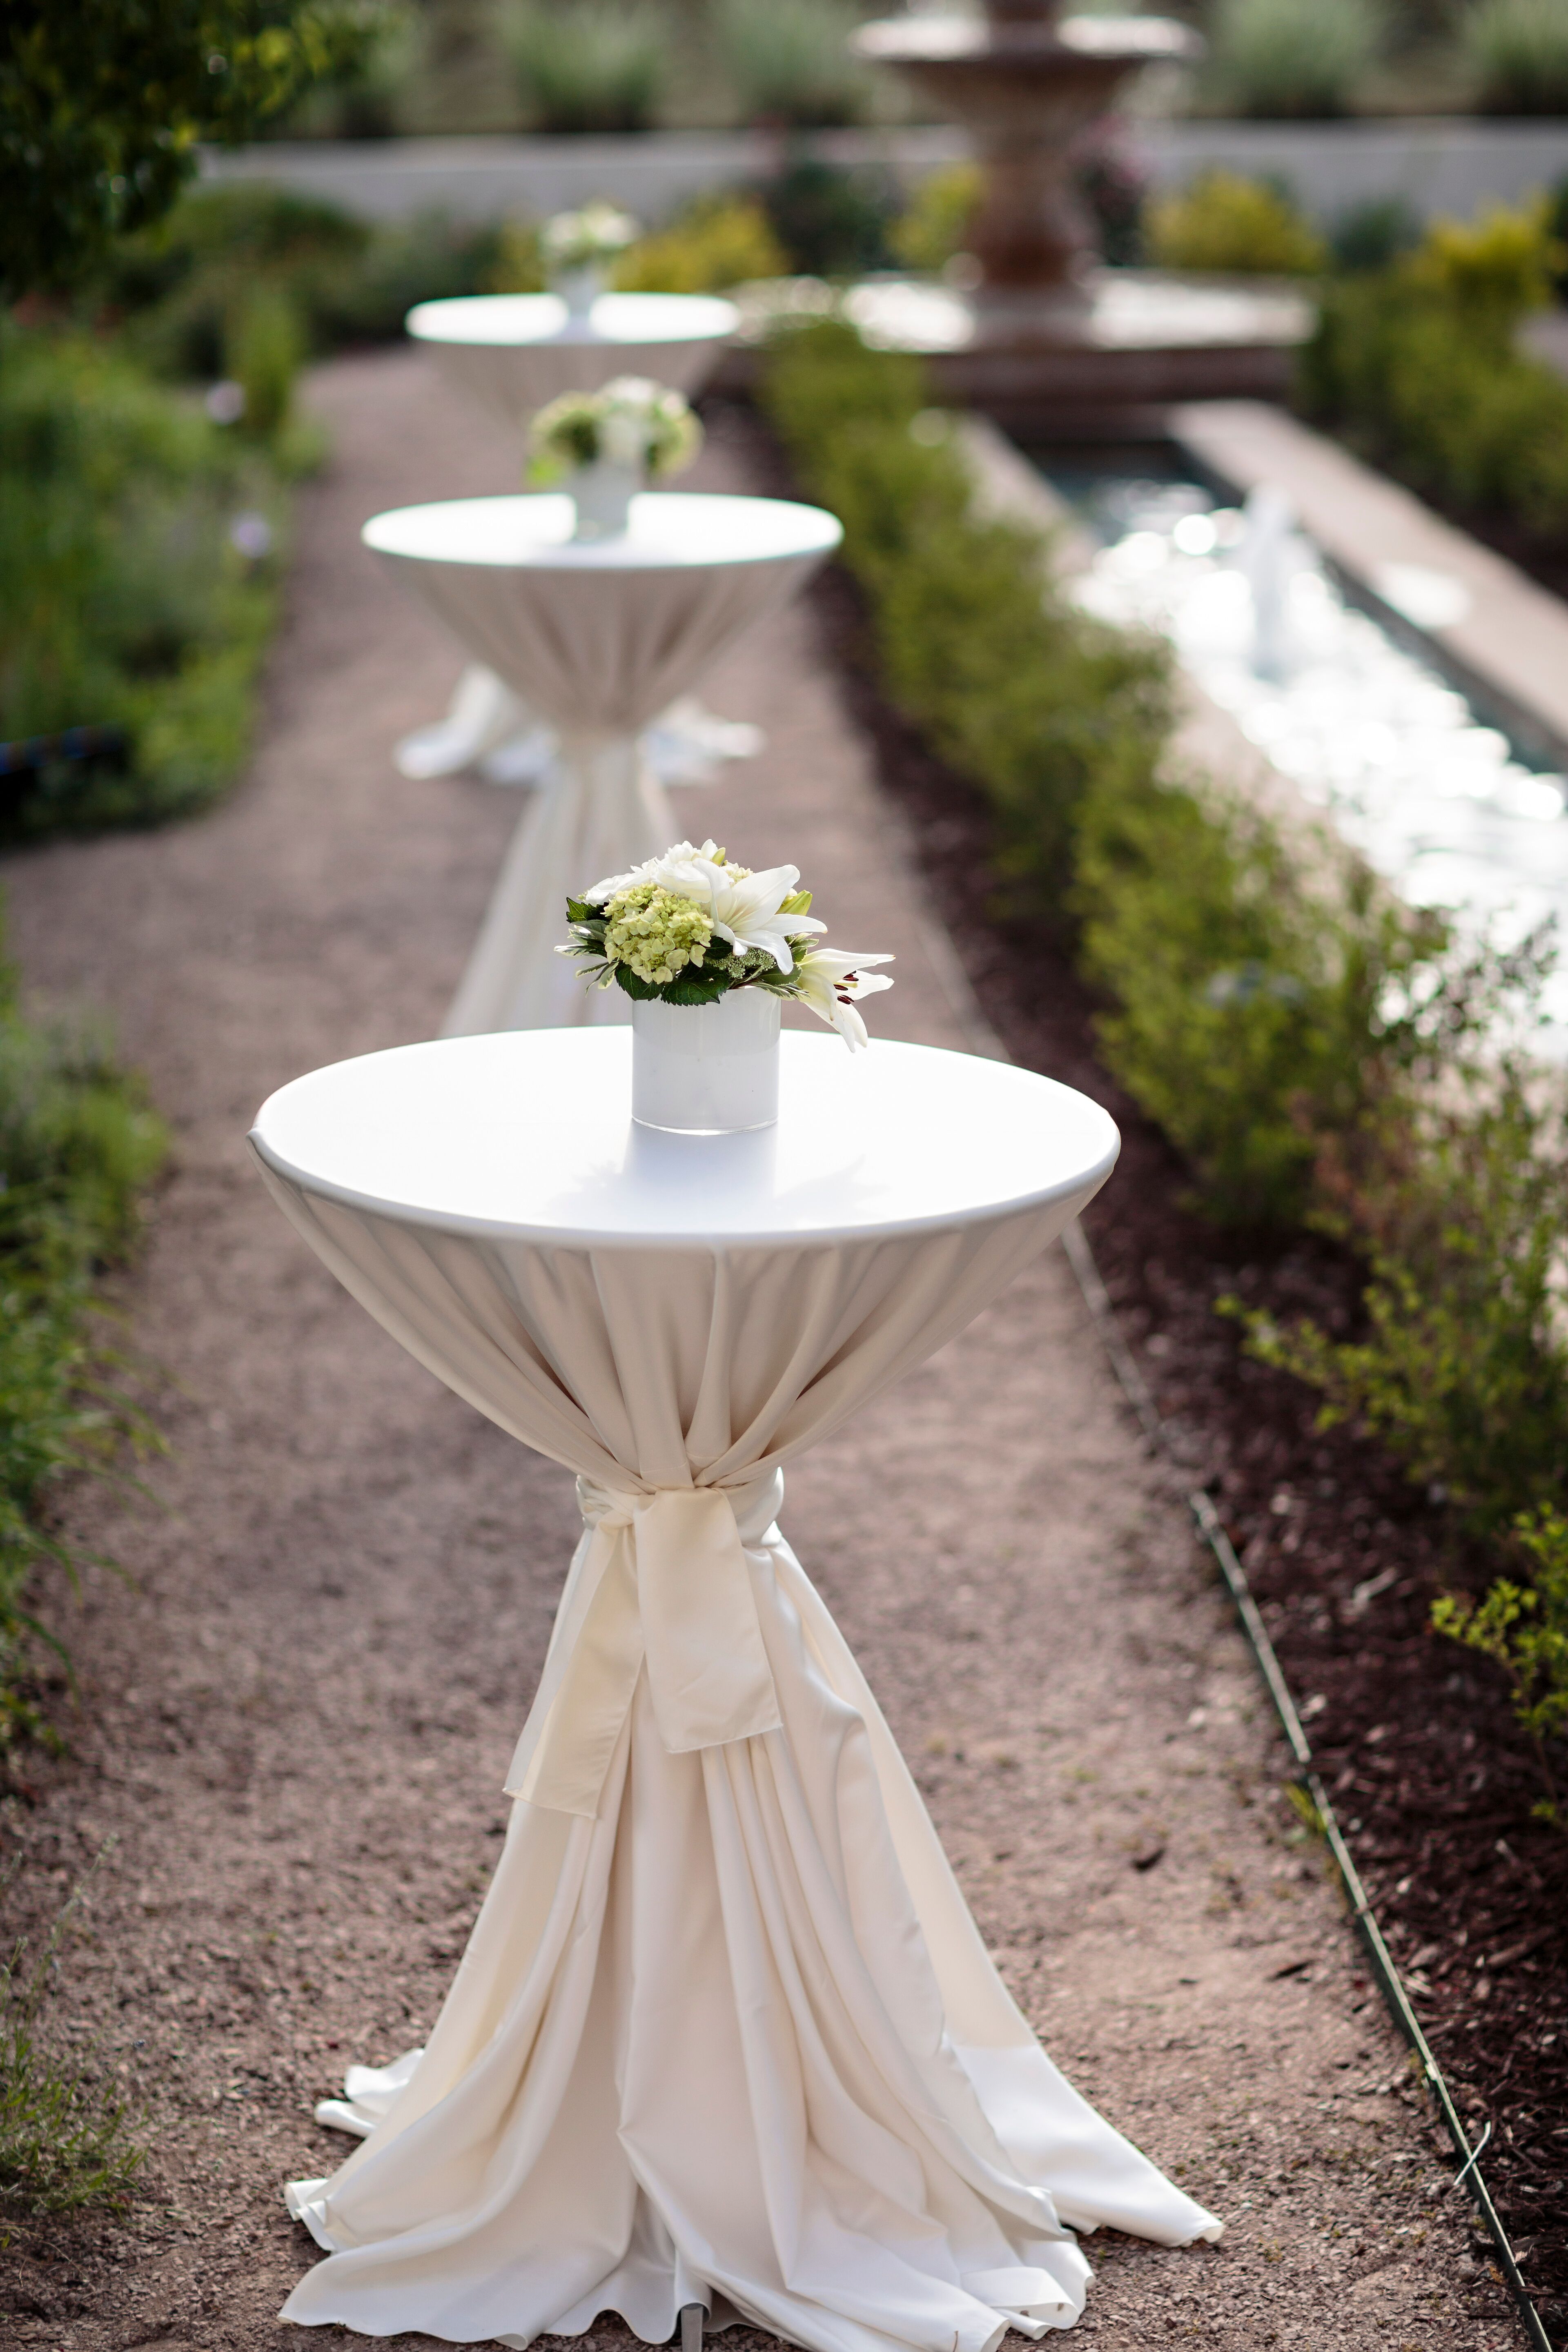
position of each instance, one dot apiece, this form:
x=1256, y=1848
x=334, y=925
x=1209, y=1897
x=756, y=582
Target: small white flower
x=596, y=232
x=829, y=980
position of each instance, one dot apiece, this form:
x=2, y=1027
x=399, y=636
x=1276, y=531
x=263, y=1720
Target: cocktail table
x=514, y=353
x=599, y=635
x=725, y=2035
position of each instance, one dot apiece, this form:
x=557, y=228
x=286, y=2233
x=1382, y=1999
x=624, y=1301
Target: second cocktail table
x=598, y=637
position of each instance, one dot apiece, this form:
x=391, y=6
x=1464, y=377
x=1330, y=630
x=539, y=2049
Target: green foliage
x=1494, y=270
x=1415, y=366
x=790, y=62
x=1462, y=1371
x=597, y=65
x=78, y=1144
x=1246, y=1016
x=176, y=291
x=123, y=602
x=367, y=94
x=717, y=242
x=1224, y=222
x=1372, y=234
x=66, y=2133
x=831, y=223
x=102, y=103
x=1275, y=58
x=1517, y=51
x=932, y=228
x=264, y=346
x=1524, y=1628
x=1033, y=701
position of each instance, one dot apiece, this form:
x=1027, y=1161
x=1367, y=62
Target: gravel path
x=298, y=1713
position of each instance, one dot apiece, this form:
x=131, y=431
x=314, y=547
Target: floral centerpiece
x=577, y=250
x=606, y=444
x=709, y=953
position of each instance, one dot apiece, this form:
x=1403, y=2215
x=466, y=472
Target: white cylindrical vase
x=707, y=1069
x=579, y=288
x=603, y=494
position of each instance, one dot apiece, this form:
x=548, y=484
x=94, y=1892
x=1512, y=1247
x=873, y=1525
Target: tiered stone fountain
x=1043, y=340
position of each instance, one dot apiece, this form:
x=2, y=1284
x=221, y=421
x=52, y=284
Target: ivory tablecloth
x=725, y=2032
x=598, y=637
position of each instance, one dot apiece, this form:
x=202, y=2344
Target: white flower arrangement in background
x=689, y=928
x=588, y=239
x=632, y=423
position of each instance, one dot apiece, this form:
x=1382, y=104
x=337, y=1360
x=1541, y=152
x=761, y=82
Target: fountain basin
x=1042, y=340
x=1103, y=359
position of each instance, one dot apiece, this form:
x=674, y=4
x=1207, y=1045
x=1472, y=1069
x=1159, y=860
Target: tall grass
x=1517, y=52
x=594, y=66
x=1277, y=59
x=67, y=2134
x=789, y=61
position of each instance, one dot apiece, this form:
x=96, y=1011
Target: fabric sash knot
x=659, y=1579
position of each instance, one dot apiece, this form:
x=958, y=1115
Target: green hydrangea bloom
x=655, y=933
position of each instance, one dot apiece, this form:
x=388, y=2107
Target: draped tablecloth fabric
x=598, y=639
x=725, y=2032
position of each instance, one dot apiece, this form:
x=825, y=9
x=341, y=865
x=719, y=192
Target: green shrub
x=933, y=227
x=1417, y=367
x=789, y=61
x=1223, y=222
x=1495, y=269
x=1517, y=51
x=832, y=222
x=1525, y=1630
x=1372, y=234
x=264, y=349
x=717, y=242
x=1463, y=1369
x=124, y=600
x=78, y=1144
x=1275, y=58
x=176, y=291
x=1247, y=1013
x=589, y=66
x=369, y=97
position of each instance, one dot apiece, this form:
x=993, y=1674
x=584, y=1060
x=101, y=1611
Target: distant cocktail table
x=514, y=353
x=725, y=2039
x=598, y=635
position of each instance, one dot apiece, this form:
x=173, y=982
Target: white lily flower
x=830, y=980
x=745, y=909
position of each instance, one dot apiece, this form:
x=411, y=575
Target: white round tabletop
x=510, y=319
x=514, y=352
x=528, y=1136
x=668, y=530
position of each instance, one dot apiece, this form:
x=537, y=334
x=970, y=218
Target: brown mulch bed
x=1432, y=1779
